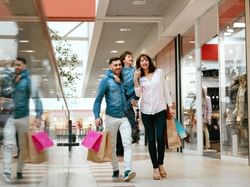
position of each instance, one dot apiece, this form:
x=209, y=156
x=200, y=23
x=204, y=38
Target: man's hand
x=98, y=122
x=38, y=123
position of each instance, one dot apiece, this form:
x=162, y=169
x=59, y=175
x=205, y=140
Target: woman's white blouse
x=154, y=93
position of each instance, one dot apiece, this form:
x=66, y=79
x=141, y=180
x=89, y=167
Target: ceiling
x=151, y=27
x=27, y=33
x=151, y=24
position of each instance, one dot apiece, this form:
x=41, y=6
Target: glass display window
x=233, y=79
x=188, y=79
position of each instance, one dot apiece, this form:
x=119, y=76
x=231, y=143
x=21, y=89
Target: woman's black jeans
x=155, y=126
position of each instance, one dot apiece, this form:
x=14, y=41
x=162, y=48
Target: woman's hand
x=134, y=102
x=137, y=74
x=171, y=111
x=117, y=79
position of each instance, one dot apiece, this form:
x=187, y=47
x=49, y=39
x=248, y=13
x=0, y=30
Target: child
x=128, y=83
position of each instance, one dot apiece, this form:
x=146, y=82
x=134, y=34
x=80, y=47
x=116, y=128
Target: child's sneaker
x=115, y=175
x=19, y=175
x=129, y=175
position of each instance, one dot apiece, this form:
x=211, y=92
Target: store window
x=232, y=47
x=188, y=79
x=208, y=42
x=210, y=97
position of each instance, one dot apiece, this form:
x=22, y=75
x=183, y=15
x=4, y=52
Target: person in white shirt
x=150, y=86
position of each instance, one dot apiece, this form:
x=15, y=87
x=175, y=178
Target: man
x=19, y=122
x=113, y=92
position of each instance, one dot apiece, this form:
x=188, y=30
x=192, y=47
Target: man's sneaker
x=129, y=175
x=19, y=175
x=7, y=177
x=115, y=175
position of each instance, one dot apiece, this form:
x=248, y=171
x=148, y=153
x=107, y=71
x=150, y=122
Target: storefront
x=214, y=57
x=233, y=79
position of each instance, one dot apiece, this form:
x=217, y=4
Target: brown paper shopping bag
x=173, y=138
x=29, y=153
x=105, y=151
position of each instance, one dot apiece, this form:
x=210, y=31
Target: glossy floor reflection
x=184, y=170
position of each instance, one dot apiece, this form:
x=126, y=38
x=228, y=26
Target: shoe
x=163, y=173
x=19, y=175
x=115, y=174
x=135, y=135
x=129, y=175
x=135, y=141
x=187, y=140
x=156, y=174
x=7, y=177
x=16, y=157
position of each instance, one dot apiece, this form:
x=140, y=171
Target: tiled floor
x=184, y=170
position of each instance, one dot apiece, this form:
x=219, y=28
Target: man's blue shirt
x=114, y=96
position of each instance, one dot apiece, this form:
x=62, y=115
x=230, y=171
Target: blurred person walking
x=19, y=121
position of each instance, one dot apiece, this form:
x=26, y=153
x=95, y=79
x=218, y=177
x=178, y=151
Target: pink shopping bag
x=41, y=141
x=92, y=140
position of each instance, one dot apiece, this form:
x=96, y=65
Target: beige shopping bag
x=173, y=139
x=29, y=154
x=105, y=151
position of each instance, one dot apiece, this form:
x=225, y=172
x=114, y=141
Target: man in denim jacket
x=113, y=92
x=19, y=121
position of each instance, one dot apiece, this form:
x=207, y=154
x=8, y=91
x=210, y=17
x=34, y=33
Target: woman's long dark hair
x=151, y=67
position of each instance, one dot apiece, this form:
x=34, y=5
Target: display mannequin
x=206, y=115
x=241, y=109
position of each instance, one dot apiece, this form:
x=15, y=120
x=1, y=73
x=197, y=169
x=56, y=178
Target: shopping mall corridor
x=184, y=170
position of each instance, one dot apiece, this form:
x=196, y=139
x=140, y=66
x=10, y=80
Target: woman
x=150, y=85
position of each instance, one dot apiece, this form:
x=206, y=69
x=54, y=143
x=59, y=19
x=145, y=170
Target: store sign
x=65, y=10
x=209, y=52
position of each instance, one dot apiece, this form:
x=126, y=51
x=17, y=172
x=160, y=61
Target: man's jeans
x=21, y=126
x=112, y=125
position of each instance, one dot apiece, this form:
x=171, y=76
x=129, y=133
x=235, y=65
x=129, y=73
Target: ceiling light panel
x=139, y=2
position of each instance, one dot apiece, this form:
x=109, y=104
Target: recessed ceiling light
x=120, y=41
x=227, y=33
x=139, y=2
x=239, y=25
x=27, y=51
x=23, y=41
x=125, y=29
x=113, y=51
x=36, y=60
